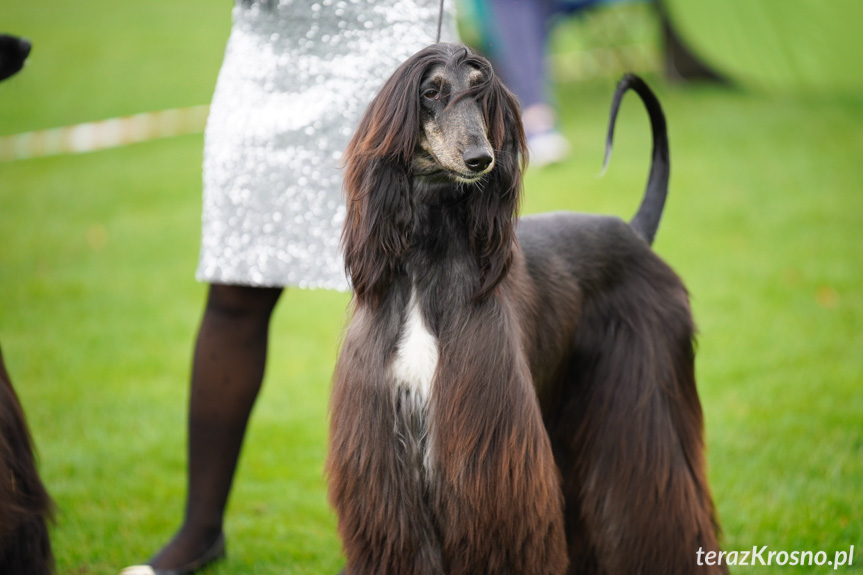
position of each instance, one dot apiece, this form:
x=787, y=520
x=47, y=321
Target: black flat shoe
x=214, y=553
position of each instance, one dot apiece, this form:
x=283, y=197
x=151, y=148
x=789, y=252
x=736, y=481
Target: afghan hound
x=510, y=398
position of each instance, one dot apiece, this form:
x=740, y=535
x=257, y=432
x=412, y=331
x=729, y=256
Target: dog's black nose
x=477, y=159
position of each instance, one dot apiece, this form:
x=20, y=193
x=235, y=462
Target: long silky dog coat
x=506, y=402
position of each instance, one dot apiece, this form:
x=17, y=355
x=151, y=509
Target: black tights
x=228, y=368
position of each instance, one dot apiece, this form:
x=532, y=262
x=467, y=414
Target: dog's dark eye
x=431, y=94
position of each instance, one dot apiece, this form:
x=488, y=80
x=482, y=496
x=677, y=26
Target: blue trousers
x=516, y=33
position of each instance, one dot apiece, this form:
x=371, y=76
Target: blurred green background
x=99, y=308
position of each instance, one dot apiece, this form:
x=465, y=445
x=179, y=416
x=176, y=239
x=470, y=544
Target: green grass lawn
x=98, y=305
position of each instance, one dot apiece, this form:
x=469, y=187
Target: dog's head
x=443, y=128
x=13, y=53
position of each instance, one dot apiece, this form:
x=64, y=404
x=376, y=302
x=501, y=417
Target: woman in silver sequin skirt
x=296, y=78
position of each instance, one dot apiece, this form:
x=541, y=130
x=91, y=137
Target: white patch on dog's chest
x=412, y=371
x=416, y=356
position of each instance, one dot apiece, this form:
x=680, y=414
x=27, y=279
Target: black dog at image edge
x=511, y=396
x=25, y=506
x=13, y=54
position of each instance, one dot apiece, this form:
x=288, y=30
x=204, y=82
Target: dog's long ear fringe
x=496, y=208
x=377, y=227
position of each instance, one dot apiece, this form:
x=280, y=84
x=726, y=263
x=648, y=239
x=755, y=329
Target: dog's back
x=619, y=401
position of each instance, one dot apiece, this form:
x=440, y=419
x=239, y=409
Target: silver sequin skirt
x=296, y=78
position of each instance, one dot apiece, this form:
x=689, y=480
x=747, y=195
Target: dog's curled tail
x=646, y=219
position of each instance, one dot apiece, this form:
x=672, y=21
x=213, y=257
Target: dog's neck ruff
x=440, y=189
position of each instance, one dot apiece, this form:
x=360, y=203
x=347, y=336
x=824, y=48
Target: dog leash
x=439, y=22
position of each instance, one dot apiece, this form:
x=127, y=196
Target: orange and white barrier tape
x=109, y=133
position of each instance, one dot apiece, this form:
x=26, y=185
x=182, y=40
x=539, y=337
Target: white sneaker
x=547, y=148
x=138, y=570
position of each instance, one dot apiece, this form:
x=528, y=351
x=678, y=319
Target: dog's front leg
x=495, y=491
x=374, y=486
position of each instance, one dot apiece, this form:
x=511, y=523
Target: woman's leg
x=519, y=32
x=229, y=360
x=518, y=40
